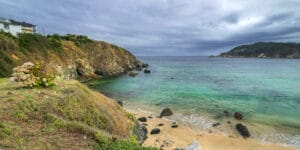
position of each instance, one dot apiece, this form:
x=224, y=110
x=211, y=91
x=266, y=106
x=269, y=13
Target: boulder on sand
x=155, y=131
x=166, y=112
x=242, y=130
x=142, y=119
x=238, y=116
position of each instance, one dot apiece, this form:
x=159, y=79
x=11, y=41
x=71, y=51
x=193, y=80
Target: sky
x=164, y=27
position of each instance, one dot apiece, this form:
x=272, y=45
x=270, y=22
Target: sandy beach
x=181, y=137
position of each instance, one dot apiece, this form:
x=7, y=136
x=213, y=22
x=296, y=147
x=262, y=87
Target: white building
x=15, y=27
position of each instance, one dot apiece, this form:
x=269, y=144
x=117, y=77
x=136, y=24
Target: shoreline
x=170, y=138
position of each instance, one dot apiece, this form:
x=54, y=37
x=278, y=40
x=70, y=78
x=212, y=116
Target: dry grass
x=67, y=116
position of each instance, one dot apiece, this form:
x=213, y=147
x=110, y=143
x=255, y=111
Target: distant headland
x=265, y=50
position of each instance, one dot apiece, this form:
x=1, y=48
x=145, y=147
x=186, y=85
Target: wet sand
x=181, y=137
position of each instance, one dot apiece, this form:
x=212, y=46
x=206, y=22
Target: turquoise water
x=266, y=91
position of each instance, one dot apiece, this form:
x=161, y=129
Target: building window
x=6, y=26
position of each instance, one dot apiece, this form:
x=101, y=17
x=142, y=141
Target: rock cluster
x=146, y=71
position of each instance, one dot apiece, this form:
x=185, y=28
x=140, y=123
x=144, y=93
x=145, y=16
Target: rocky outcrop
x=68, y=56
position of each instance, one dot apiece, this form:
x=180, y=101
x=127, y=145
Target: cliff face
x=69, y=56
x=265, y=49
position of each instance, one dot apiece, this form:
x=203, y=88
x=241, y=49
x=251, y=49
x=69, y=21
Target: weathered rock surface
x=141, y=132
x=166, y=112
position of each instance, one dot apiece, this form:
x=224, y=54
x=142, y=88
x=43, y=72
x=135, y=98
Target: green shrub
x=33, y=75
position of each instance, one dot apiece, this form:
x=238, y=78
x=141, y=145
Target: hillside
x=69, y=56
x=265, y=50
x=66, y=116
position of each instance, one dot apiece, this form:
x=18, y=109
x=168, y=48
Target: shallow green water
x=266, y=91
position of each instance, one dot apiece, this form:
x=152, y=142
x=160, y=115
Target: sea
x=199, y=89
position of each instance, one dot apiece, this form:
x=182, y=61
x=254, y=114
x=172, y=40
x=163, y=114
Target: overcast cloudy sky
x=164, y=27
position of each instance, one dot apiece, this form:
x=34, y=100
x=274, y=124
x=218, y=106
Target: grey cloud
x=164, y=27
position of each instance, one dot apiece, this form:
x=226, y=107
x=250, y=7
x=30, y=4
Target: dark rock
x=150, y=117
x=142, y=119
x=238, y=116
x=242, y=130
x=160, y=124
x=141, y=132
x=146, y=71
x=145, y=65
x=145, y=124
x=228, y=122
x=174, y=126
x=174, y=122
x=166, y=112
x=120, y=103
x=155, y=131
x=216, y=124
x=226, y=113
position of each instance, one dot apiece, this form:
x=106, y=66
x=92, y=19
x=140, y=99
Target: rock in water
x=155, y=131
x=145, y=65
x=242, y=130
x=226, y=113
x=120, y=103
x=133, y=73
x=194, y=146
x=142, y=119
x=166, y=112
x=238, y=116
x=146, y=71
x=141, y=133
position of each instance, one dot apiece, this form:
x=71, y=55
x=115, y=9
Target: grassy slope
x=61, y=117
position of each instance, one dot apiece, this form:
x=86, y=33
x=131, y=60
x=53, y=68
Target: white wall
x=13, y=29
